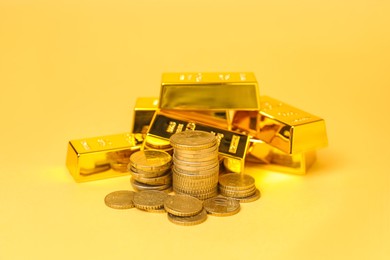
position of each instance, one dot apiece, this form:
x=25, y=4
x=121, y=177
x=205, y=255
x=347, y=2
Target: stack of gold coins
x=151, y=170
x=185, y=210
x=239, y=186
x=195, y=164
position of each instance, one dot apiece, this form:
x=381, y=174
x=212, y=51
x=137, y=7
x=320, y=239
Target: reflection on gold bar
x=101, y=157
x=209, y=91
x=143, y=113
x=165, y=124
x=284, y=127
x=264, y=156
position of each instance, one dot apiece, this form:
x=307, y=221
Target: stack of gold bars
x=249, y=128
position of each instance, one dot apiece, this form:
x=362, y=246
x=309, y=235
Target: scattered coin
x=122, y=199
x=149, y=199
x=183, y=205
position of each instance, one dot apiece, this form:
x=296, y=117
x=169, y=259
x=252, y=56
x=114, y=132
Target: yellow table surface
x=73, y=69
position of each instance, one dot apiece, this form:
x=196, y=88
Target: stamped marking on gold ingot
x=209, y=91
x=290, y=129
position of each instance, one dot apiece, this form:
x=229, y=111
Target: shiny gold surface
x=209, y=91
x=100, y=157
x=290, y=129
x=143, y=113
x=264, y=156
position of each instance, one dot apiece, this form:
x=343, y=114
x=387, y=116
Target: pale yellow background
x=73, y=69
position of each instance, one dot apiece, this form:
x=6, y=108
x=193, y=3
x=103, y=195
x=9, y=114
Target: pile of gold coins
x=151, y=170
x=196, y=182
x=187, y=150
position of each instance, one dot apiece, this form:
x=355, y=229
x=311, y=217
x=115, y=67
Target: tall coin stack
x=195, y=164
x=151, y=170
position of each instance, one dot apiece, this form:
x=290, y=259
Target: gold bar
x=209, y=91
x=282, y=126
x=165, y=124
x=143, y=114
x=101, y=157
x=265, y=156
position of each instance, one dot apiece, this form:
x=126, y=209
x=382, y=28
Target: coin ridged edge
x=189, y=220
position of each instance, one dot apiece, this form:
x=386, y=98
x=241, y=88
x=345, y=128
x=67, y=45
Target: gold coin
x=160, y=180
x=221, y=206
x=197, y=152
x=189, y=220
x=200, y=196
x=122, y=199
x=251, y=198
x=150, y=160
x=147, y=174
x=138, y=186
x=198, y=157
x=149, y=199
x=200, y=190
x=183, y=205
x=236, y=181
x=196, y=173
x=193, y=140
x=157, y=143
x=237, y=193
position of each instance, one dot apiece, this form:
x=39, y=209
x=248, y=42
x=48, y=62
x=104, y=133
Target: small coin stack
x=185, y=210
x=238, y=186
x=195, y=164
x=151, y=170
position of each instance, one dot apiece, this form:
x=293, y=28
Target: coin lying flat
x=183, y=205
x=189, y=220
x=122, y=199
x=149, y=199
x=151, y=160
x=221, y=206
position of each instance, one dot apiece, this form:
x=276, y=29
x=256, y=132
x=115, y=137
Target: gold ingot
x=101, y=157
x=282, y=126
x=264, y=156
x=143, y=114
x=209, y=91
x=270, y=158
